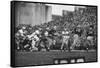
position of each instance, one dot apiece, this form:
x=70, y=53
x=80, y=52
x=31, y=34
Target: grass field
x=47, y=58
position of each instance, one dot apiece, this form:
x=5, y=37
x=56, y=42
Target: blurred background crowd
x=72, y=31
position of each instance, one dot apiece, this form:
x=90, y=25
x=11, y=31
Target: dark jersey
x=52, y=32
x=90, y=33
x=79, y=32
x=42, y=35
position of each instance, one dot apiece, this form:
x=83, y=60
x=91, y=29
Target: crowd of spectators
x=81, y=23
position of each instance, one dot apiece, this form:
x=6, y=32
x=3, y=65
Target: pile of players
x=28, y=39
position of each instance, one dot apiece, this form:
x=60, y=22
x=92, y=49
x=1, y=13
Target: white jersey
x=65, y=34
x=30, y=36
x=21, y=32
x=37, y=32
x=46, y=33
x=33, y=34
x=36, y=38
